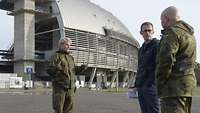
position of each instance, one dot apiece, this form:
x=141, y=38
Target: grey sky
x=6, y=30
x=131, y=12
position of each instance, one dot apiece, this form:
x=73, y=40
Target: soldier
x=145, y=79
x=175, y=63
x=61, y=68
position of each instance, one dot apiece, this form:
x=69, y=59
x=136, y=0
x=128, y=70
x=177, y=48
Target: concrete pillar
x=99, y=80
x=117, y=80
x=104, y=80
x=24, y=36
x=125, y=78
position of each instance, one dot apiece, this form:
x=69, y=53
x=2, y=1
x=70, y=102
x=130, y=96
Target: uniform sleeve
x=52, y=65
x=166, y=57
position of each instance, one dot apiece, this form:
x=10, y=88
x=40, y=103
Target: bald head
x=169, y=16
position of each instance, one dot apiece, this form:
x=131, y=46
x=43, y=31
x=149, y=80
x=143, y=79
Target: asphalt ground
x=40, y=101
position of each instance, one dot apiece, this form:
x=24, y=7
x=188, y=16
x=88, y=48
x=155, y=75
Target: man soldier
x=61, y=68
x=175, y=63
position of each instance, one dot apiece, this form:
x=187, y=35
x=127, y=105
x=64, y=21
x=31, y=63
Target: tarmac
x=40, y=101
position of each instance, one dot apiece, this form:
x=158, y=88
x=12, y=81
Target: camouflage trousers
x=62, y=100
x=176, y=104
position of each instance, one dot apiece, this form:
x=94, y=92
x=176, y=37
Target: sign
x=29, y=69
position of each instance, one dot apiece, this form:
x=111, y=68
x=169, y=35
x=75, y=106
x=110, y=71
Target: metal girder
x=125, y=79
x=115, y=77
x=92, y=76
x=131, y=79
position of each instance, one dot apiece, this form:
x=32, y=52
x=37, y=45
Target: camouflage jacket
x=175, y=61
x=61, y=68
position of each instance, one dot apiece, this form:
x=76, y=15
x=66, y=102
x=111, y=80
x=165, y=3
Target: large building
x=99, y=39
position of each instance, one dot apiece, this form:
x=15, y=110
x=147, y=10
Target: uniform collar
x=64, y=52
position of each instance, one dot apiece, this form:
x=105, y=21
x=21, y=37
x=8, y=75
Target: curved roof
x=85, y=15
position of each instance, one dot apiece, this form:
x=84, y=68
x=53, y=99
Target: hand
x=83, y=67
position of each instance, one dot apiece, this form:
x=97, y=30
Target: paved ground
x=39, y=101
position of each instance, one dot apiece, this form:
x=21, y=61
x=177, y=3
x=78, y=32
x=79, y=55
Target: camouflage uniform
x=61, y=68
x=175, y=68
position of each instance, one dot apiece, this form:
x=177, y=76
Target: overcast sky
x=131, y=12
x=134, y=12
